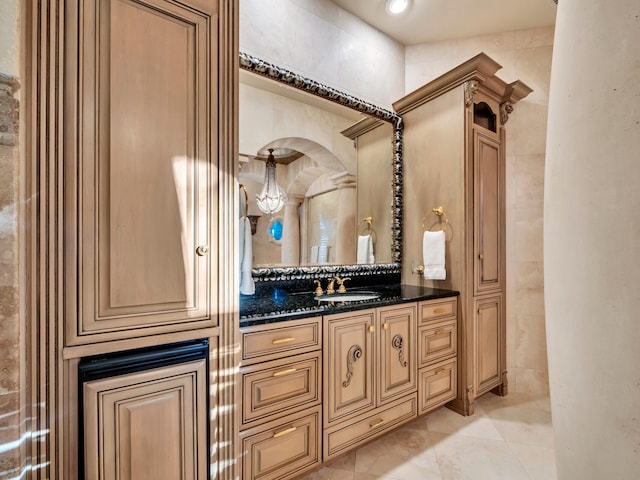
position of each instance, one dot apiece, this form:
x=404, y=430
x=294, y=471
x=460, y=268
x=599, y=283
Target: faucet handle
x=341, y=281
x=330, y=287
x=319, y=290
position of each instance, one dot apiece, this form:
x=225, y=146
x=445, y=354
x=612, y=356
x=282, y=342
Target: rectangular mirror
x=338, y=170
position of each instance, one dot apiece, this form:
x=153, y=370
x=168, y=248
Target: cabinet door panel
x=488, y=343
x=146, y=167
x=348, y=364
x=147, y=425
x=489, y=214
x=396, y=334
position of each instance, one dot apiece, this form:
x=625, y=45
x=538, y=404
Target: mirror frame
x=282, y=75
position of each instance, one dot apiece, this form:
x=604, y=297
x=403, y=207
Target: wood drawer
x=437, y=309
x=437, y=385
x=437, y=341
x=283, y=448
x=271, y=341
x=354, y=432
x=280, y=386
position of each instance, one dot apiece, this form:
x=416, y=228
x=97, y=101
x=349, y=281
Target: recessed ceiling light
x=395, y=7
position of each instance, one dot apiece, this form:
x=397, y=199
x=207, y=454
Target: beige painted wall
x=524, y=55
x=591, y=240
x=12, y=457
x=318, y=39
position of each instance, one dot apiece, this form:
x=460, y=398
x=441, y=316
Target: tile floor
x=507, y=438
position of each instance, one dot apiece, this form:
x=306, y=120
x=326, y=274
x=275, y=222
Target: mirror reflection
x=318, y=175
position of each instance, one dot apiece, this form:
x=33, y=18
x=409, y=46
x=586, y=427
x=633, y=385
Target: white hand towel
x=247, y=286
x=365, y=249
x=433, y=247
x=314, y=254
x=323, y=254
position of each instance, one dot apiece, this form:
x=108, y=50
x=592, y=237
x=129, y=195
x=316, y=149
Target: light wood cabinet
x=488, y=335
x=141, y=169
x=369, y=361
x=281, y=378
x=437, y=353
x=148, y=425
x=454, y=140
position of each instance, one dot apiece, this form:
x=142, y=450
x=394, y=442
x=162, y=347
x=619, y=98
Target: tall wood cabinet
x=132, y=139
x=454, y=141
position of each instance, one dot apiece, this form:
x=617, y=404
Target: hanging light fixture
x=272, y=197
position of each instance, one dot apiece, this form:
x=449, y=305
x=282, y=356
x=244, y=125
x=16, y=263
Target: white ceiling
x=435, y=20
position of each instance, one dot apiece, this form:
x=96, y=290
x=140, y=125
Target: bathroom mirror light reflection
x=341, y=167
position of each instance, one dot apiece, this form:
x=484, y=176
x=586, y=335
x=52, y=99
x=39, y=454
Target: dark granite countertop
x=280, y=305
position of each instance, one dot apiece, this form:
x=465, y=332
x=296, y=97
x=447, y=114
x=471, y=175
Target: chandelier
x=271, y=199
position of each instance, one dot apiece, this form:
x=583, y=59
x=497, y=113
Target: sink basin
x=348, y=297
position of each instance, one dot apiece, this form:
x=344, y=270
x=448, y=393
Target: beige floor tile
x=529, y=426
x=450, y=422
x=327, y=473
x=345, y=462
x=403, y=454
x=540, y=462
x=471, y=458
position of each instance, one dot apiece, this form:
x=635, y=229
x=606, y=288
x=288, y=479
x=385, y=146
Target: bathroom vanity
x=319, y=379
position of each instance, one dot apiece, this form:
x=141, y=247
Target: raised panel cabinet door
x=396, y=335
x=488, y=343
x=348, y=364
x=488, y=214
x=146, y=103
x=149, y=425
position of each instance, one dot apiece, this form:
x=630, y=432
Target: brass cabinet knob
x=481, y=256
x=202, y=250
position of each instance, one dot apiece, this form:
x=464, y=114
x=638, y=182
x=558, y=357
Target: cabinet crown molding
x=479, y=70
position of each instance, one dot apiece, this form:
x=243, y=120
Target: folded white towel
x=314, y=254
x=433, y=247
x=247, y=286
x=323, y=254
x=365, y=249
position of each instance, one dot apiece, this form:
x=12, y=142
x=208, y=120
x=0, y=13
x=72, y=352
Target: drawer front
x=437, y=341
x=437, y=385
x=340, y=438
x=280, y=386
x=268, y=342
x=437, y=309
x=282, y=449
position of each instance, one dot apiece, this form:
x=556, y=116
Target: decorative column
x=591, y=239
x=346, y=225
x=290, y=251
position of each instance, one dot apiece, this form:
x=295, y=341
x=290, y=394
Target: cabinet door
x=149, y=425
x=396, y=366
x=488, y=214
x=348, y=364
x=488, y=343
x=143, y=159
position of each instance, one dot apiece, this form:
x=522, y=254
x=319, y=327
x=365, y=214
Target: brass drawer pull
x=372, y=328
x=481, y=257
x=278, y=341
x=440, y=310
x=440, y=330
x=284, y=372
x=286, y=431
x=385, y=326
x=440, y=370
x=377, y=424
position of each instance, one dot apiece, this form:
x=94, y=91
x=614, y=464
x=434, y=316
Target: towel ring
x=367, y=221
x=439, y=211
x=246, y=200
